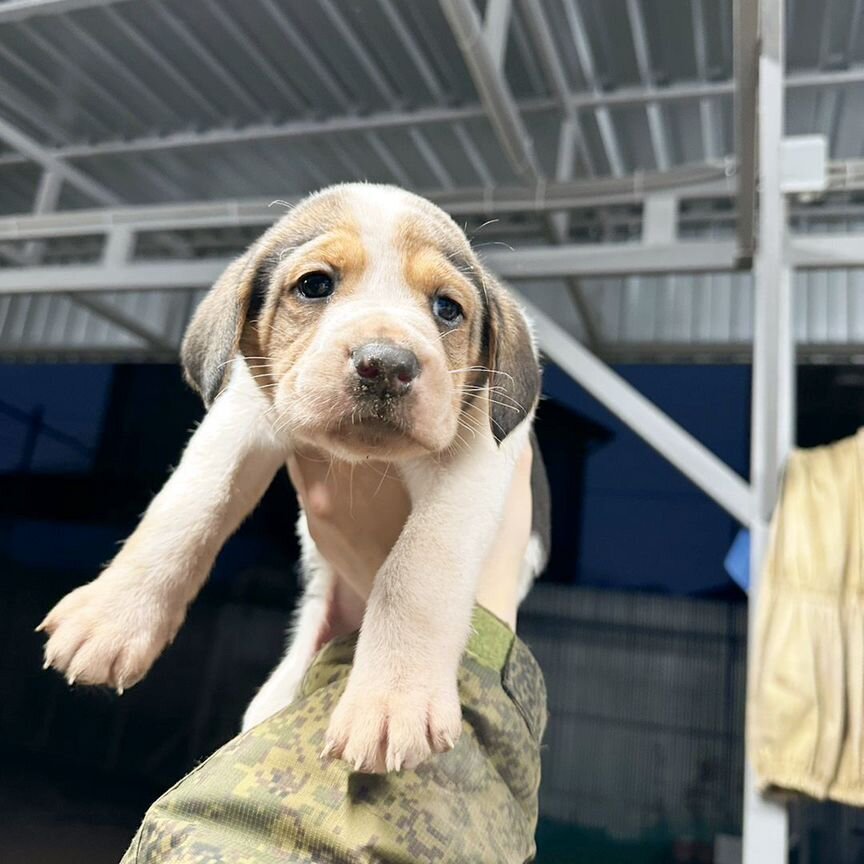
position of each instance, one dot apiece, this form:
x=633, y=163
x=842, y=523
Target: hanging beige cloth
x=806, y=693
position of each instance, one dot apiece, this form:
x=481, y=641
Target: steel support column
x=746, y=24
x=765, y=821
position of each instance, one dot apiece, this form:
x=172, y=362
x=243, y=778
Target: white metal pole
x=765, y=821
x=685, y=452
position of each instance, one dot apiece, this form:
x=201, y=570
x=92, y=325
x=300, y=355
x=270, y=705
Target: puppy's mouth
x=354, y=420
x=373, y=423
x=371, y=431
x=363, y=427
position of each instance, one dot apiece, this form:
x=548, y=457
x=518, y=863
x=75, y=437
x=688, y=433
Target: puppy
x=363, y=325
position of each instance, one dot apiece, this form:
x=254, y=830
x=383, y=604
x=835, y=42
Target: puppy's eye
x=447, y=310
x=315, y=286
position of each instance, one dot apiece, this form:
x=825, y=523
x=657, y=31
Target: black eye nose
x=385, y=369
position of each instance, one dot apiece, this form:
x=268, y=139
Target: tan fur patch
x=429, y=246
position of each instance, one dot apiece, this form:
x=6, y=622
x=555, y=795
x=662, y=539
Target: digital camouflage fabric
x=266, y=797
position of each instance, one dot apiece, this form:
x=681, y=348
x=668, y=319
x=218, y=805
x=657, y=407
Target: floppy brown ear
x=213, y=336
x=515, y=372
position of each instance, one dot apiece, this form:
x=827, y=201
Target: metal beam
x=540, y=262
x=765, y=839
x=88, y=278
x=565, y=162
x=656, y=123
x=15, y=104
x=660, y=220
x=13, y=255
x=355, y=45
x=484, y=58
x=411, y=44
x=585, y=56
x=48, y=192
x=550, y=58
x=806, y=250
x=496, y=25
x=58, y=91
x=388, y=159
x=112, y=101
x=117, y=249
x=475, y=157
x=293, y=130
x=120, y=319
x=712, y=144
x=688, y=182
x=162, y=60
x=532, y=262
x=544, y=42
x=45, y=201
x=431, y=159
x=828, y=251
x=689, y=90
x=559, y=225
x=494, y=93
x=674, y=443
x=126, y=81
x=20, y=10
x=612, y=259
x=302, y=129
x=204, y=55
x=34, y=151
x=252, y=54
x=746, y=27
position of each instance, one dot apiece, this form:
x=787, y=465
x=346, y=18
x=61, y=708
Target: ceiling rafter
x=506, y=120
x=399, y=119
x=585, y=55
x=654, y=110
x=553, y=66
x=708, y=114
x=21, y=10
x=43, y=156
x=691, y=181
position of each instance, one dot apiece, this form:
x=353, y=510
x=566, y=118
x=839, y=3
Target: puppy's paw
x=106, y=633
x=380, y=730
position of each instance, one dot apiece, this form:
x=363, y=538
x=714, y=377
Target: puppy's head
x=372, y=327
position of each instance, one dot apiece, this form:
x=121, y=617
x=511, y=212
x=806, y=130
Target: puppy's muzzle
x=384, y=370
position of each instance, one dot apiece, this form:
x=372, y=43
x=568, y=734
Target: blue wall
x=644, y=525
x=73, y=401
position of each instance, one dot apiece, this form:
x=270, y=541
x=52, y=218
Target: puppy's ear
x=213, y=336
x=514, y=378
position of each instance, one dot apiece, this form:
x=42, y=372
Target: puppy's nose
x=385, y=369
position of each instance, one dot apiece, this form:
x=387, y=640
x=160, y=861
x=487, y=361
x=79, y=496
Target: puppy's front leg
x=111, y=630
x=307, y=634
x=401, y=701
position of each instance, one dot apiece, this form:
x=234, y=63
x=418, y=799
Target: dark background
x=83, y=448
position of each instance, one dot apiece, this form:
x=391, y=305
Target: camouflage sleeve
x=266, y=797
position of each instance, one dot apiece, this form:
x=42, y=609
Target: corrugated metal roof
x=132, y=74
x=181, y=100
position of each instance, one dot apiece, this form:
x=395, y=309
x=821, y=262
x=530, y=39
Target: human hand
x=356, y=513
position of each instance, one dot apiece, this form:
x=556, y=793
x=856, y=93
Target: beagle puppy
x=361, y=324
